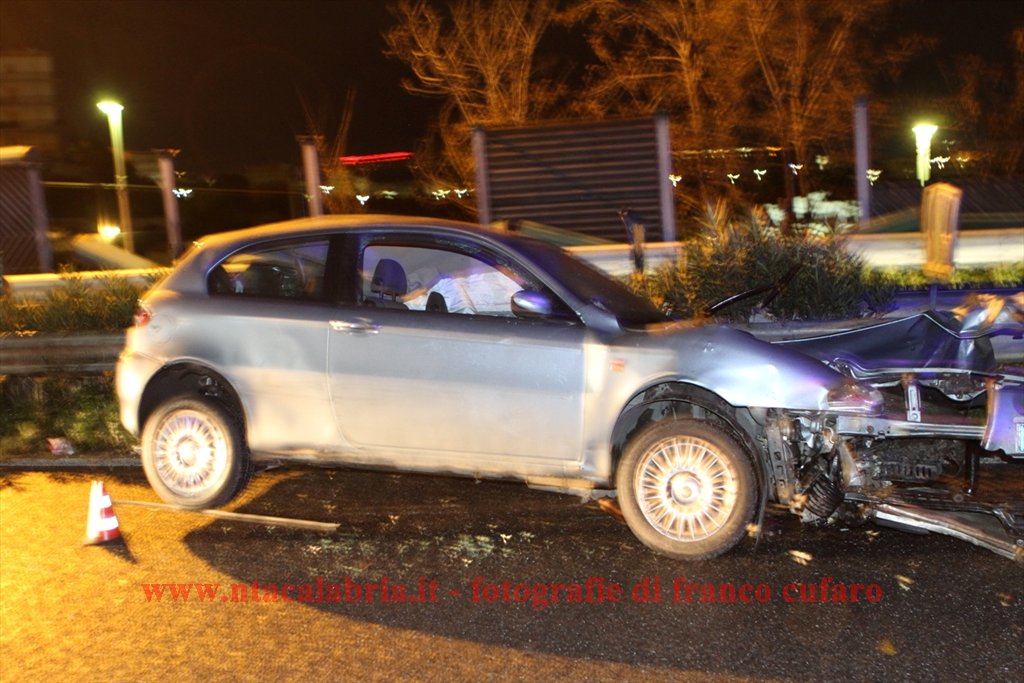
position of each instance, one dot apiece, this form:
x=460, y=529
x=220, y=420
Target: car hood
x=733, y=364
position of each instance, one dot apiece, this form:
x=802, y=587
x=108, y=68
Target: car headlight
x=854, y=397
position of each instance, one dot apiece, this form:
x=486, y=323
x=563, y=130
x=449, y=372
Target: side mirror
x=527, y=304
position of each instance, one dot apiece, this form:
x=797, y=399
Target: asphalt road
x=930, y=607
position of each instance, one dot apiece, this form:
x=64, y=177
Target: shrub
x=729, y=257
x=74, y=306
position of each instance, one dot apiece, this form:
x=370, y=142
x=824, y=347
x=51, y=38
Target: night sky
x=227, y=81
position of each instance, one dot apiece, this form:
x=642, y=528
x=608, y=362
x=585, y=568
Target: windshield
x=591, y=284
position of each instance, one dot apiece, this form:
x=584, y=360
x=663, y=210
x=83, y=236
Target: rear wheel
x=194, y=453
x=686, y=489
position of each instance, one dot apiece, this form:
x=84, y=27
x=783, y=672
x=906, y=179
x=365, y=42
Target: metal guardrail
x=975, y=247
x=97, y=353
x=79, y=354
x=90, y=354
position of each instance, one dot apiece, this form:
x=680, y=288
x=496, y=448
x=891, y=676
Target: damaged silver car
x=435, y=346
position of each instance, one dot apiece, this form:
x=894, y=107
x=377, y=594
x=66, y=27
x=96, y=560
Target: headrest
x=389, y=279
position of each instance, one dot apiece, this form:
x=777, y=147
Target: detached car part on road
x=435, y=346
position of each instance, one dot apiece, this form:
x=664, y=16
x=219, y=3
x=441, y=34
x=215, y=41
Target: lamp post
x=113, y=111
x=923, y=133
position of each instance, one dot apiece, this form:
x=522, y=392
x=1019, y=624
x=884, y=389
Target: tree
x=330, y=149
x=670, y=56
x=988, y=100
x=744, y=73
x=479, y=56
x=813, y=59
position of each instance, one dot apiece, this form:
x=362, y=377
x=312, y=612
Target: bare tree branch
x=480, y=57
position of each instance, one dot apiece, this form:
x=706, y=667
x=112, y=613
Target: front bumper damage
x=994, y=525
x=987, y=510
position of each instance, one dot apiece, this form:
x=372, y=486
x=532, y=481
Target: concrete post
x=668, y=205
x=311, y=172
x=860, y=128
x=165, y=164
x=483, y=188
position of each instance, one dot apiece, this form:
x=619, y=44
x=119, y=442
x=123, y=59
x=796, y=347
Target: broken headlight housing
x=854, y=397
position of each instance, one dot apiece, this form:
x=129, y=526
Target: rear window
x=288, y=271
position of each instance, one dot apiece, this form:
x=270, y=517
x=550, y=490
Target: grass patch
x=1003, y=275
x=82, y=410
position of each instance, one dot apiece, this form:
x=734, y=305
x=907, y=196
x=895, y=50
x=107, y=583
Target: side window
x=423, y=278
x=289, y=271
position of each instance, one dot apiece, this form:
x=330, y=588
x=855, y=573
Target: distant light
x=733, y=177
x=873, y=175
x=822, y=161
x=461, y=192
x=181, y=192
x=363, y=198
x=923, y=133
x=759, y=172
x=326, y=189
x=940, y=161
x=357, y=159
x=795, y=168
x=674, y=179
x=108, y=233
x=109, y=107
x=388, y=194
x=441, y=194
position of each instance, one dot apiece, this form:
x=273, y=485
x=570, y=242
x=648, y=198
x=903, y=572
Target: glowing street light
x=113, y=111
x=923, y=133
x=108, y=233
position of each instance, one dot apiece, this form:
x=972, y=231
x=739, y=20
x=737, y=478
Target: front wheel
x=686, y=489
x=194, y=453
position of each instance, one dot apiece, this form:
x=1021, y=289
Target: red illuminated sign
x=356, y=159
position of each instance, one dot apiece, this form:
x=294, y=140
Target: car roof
x=190, y=272
x=299, y=227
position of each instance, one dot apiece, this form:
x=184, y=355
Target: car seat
x=388, y=284
x=436, y=302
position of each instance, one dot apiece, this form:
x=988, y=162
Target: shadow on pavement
x=477, y=561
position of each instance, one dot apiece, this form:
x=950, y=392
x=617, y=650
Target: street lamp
x=923, y=133
x=113, y=111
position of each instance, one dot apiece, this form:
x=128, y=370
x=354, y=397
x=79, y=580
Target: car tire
x=194, y=453
x=686, y=489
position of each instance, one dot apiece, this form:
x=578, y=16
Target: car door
x=270, y=341
x=429, y=365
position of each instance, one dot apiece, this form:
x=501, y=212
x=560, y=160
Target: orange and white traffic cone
x=101, y=526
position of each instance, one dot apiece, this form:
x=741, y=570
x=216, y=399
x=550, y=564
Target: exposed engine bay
x=941, y=450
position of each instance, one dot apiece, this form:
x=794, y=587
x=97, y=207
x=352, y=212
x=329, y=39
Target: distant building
x=28, y=101
x=24, y=244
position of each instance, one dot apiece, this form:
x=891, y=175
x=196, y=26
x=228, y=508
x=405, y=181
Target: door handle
x=356, y=326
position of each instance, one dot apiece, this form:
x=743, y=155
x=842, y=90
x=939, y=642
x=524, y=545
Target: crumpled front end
x=748, y=372
x=894, y=451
